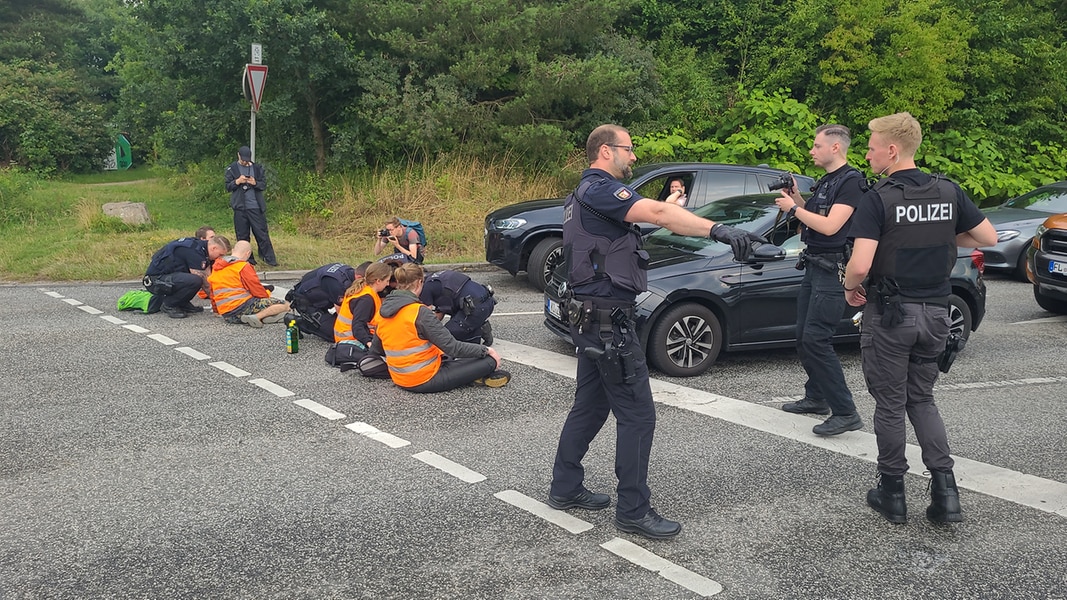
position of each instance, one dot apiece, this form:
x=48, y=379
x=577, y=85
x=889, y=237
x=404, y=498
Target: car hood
x=665, y=262
x=525, y=207
x=1012, y=218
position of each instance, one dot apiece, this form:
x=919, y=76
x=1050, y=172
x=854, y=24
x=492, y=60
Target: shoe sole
x=272, y=319
x=253, y=322
x=858, y=426
x=892, y=518
x=824, y=411
x=639, y=531
x=495, y=383
x=566, y=505
x=948, y=518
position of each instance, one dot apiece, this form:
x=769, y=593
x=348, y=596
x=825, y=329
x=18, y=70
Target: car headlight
x=505, y=224
x=1007, y=234
x=1041, y=229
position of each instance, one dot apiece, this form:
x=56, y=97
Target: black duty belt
x=826, y=251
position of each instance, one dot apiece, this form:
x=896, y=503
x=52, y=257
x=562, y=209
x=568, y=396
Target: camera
x=784, y=182
x=383, y=233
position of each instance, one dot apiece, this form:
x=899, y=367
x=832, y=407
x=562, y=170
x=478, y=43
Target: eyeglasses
x=626, y=148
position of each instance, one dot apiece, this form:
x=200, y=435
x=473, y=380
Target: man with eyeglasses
x=606, y=272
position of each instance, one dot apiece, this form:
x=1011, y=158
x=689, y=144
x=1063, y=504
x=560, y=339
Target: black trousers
x=173, y=289
x=246, y=221
x=456, y=373
x=468, y=328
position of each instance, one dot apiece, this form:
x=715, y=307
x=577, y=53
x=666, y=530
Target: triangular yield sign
x=257, y=77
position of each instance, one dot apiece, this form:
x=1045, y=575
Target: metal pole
x=252, y=145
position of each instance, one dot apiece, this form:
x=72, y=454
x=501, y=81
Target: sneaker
x=173, y=312
x=498, y=378
x=487, y=334
x=273, y=318
x=838, y=424
x=807, y=405
x=252, y=320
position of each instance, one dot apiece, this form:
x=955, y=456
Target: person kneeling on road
x=238, y=295
x=467, y=303
x=421, y=354
x=317, y=295
x=178, y=271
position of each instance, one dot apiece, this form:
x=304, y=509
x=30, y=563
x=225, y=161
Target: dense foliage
x=356, y=83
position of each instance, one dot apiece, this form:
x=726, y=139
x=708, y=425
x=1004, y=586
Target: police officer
x=906, y=231
x=467, y=303
x=607, y=269
x=824, y=222
x=316, y=296
x=178, y=271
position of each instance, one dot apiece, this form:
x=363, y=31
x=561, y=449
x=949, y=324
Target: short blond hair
x=408, y=276
x=901, y=129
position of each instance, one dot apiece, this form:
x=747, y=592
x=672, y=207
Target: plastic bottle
x=292, y=338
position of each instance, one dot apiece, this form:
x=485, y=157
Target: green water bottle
x=292, y=338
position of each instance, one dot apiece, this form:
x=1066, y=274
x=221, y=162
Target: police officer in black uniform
x=906, y=231
x=824, y=219
x=467, y=303
x=606, y=271
x=316, y=296
x=178, y=271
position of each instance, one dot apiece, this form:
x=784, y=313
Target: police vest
x=161, y=263
x=342, y=326
x=823, y=195
x=591, y=258
x=227, y=291
x=341, y=272
x=453, y=281
x=411, y=360
x=918, y=244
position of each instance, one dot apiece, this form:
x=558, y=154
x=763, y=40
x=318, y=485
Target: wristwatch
x=793, y=211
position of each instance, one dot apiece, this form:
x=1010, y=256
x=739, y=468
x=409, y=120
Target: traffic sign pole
x=255, y=75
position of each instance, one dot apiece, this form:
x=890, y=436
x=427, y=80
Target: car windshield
x=756, y=213
x=1046, y=200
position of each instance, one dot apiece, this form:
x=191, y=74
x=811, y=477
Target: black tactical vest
x=823, y=195
x=161, y=263
x=453, y=281
x=595, y=259
x=339, y=271
x=918, y=244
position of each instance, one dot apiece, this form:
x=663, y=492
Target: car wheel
x=685, y=340
x=1020, y=265
x=545, y=257
x=959, y=316
x=1050, y=304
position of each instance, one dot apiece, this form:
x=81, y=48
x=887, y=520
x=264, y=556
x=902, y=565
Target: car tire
x=959, y=315
x=544, y=258
x=1050, y=304
x=685, y=340
x=1020, y=265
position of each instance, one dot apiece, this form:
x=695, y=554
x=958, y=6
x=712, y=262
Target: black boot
x=888, y=498
x=944, y=498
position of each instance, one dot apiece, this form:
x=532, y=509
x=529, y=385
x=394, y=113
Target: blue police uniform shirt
x=610, y=197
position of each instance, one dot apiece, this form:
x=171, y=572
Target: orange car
x=1046, y=264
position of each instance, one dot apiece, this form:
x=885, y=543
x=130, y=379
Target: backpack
x=418, y=229
x=373, y=366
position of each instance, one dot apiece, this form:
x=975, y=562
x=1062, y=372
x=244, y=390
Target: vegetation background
x=443, y=110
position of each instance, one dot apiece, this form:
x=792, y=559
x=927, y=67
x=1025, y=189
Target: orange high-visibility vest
x=342, y=327
x=226, y=289
x=411, y=360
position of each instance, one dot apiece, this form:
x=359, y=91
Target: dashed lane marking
x=1028, y=490
x=91, y=309
x=1056, y=319
x=977, y=385
x=72, y=301
x=186, y=350
x=452, y=468
x=136, y=328
x=272, y=387
x=518, y=314
x=228, y=368
x=318, y=409
x=558, y=518
x=377, y=435
x=666, y=569
x=162, y=339
x=53, y=294
x=111, y=319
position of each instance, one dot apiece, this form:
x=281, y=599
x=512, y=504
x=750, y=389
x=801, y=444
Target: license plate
x=553, y=308
x=1057, y=267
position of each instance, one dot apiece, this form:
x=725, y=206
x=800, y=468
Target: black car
x=528, y=236
x=701, y=301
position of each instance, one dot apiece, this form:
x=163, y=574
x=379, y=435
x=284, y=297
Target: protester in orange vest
x=238, y=295
x=421, y=354
x=357, y=315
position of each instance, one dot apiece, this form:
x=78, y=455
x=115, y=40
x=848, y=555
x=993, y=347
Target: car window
x=751, y=213
x=658, y=188
x=720, y=184
x=1046, y=200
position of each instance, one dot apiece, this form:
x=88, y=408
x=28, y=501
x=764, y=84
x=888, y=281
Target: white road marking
x=559, y=518
x=518, y=314
x=452, y=468
x=657, y=564
x=377, y=435
x=228, y=368
x=162, y=339
x=91, y=310
x=1056, y=319
x=977, y=385
x=136, y=328
x=186, y=350
x=1028, y=490
x=279, y=292
x=53, y=294
x=111, y=319
x=72, y=301
x=272, y=387
x=318, y=409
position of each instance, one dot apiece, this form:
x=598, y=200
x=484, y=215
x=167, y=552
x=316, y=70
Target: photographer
x=824, y=219
x=403, y=237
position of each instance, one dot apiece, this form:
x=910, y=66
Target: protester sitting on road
x=317, y=295
x=178, y=270
x=238, y=295
x=357, y=315
x=402, y=237
x=467, y=303
x=421, y=354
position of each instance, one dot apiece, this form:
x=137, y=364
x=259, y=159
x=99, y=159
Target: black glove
x=740, y=240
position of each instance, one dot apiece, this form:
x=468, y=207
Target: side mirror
x=764, y=253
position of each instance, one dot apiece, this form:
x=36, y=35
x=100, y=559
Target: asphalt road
x=146, y=457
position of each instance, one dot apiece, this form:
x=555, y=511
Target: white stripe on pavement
x=228, y=368
x=657, y=564
x=377, y=435
x=272, y=387
x=318, y=409
x=1036, y=492
x=162, y=339
x=136, y=328
x=90, y=309
x=111, y=319
x=192, y=353
x=452, y=468
x=72, y=301
x=53, y=294
x=556, y=517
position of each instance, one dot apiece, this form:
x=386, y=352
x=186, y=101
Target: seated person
x=677, y=191
x=205, y=233
x=403, y=238
x=467, y=303
x=178, y=271
x=316, y=296
x=238, y=295
x=421, y=354
x=357, y=315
